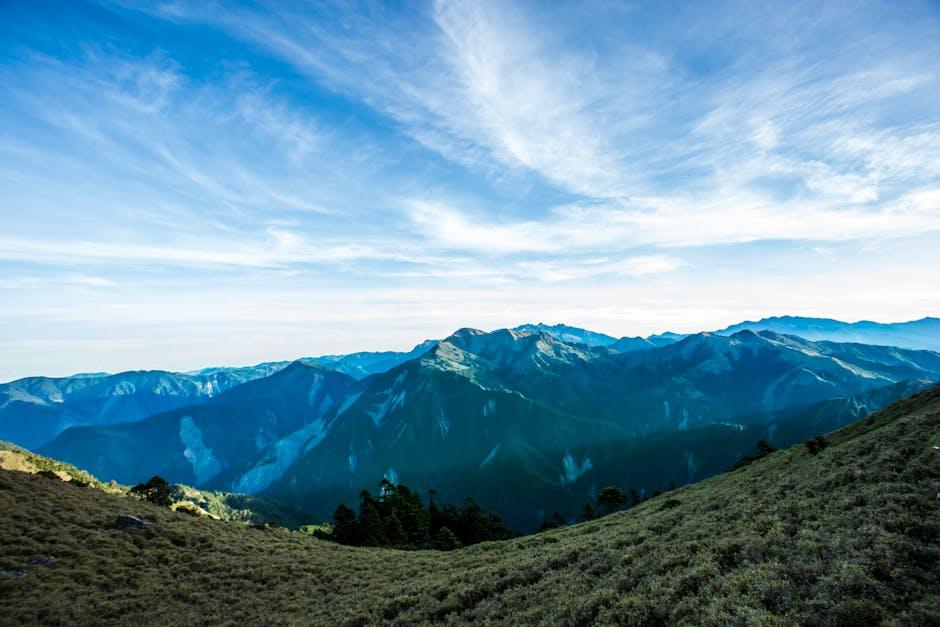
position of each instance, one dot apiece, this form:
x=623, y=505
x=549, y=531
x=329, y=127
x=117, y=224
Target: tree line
x=609, y=500
x=397, y=518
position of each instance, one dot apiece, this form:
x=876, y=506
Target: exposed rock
x=129, y=521
x=42, y=561
x=6, y=574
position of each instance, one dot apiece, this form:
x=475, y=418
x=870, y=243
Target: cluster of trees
x=609, y=500
x=156, y=490
x=396, y=517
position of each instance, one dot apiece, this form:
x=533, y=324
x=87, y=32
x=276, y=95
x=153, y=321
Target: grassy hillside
x=229, y=506
x=848, y=536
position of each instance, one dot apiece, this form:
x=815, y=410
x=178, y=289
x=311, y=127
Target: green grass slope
x=849, y=536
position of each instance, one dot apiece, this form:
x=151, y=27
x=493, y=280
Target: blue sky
x=194, y=183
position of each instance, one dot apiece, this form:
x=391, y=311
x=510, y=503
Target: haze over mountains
x=547, y=421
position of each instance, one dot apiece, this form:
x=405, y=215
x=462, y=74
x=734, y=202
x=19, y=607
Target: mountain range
x=916, y=334
x=547, y=421
x=841, y=534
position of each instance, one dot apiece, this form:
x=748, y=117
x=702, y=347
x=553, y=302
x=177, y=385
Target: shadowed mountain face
x=260, y=424
x=36, y=409
x=520, y=421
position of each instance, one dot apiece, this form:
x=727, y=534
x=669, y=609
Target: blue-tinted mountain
x=262, y=425
x=627, y=344
x=520, y=421
x=36, y=409
x=361, y=365
x=569, y=334
x=916, y=334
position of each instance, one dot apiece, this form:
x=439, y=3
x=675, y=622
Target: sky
x=185, y=184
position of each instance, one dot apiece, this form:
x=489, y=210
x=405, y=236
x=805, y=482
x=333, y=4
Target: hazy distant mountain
x=357, y=365
x=361, y=365
x=260, y=424
x=36, y=409
x=627, y=344
x=916, y=334
x=572, y=335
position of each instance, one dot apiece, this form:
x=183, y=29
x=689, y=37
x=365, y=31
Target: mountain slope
x=36, y=409
x=917, y=334
x=207, y=445
x=848, y=536
x=357, y=365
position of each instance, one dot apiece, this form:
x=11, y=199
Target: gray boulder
x=129, y=521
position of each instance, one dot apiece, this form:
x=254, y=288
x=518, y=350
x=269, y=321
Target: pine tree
x=345, y=527
x=371, y=527
x=611, y=499
x=445, y=540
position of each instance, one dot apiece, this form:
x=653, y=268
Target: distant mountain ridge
x=569, y=334
x=922, y=334
x=36, y=409
x=916, y=334
x=547, y=421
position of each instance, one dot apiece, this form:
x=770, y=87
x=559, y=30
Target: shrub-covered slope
x=849, y=535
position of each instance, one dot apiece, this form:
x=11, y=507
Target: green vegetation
x=397, y=518
x=221, y=505
x=156, y=490
x=815, y=445
x=846, y=536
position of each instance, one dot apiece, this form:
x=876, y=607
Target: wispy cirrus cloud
x=456, y=162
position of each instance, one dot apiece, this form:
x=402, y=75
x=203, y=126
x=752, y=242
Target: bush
x=816, y=445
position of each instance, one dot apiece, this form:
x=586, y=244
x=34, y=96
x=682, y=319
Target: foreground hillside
x=849, y=535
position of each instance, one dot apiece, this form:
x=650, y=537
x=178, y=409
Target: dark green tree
x=611, y=499
x=156, y=490
x=345, y=527
x=473, y=524
x=371, y=526
x=445, y=540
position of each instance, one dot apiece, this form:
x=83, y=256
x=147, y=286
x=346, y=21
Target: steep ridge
x=445, y=422
x=846, y=536
x=207, y=445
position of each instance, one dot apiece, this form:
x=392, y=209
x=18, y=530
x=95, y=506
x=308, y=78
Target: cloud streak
x=488, y=161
